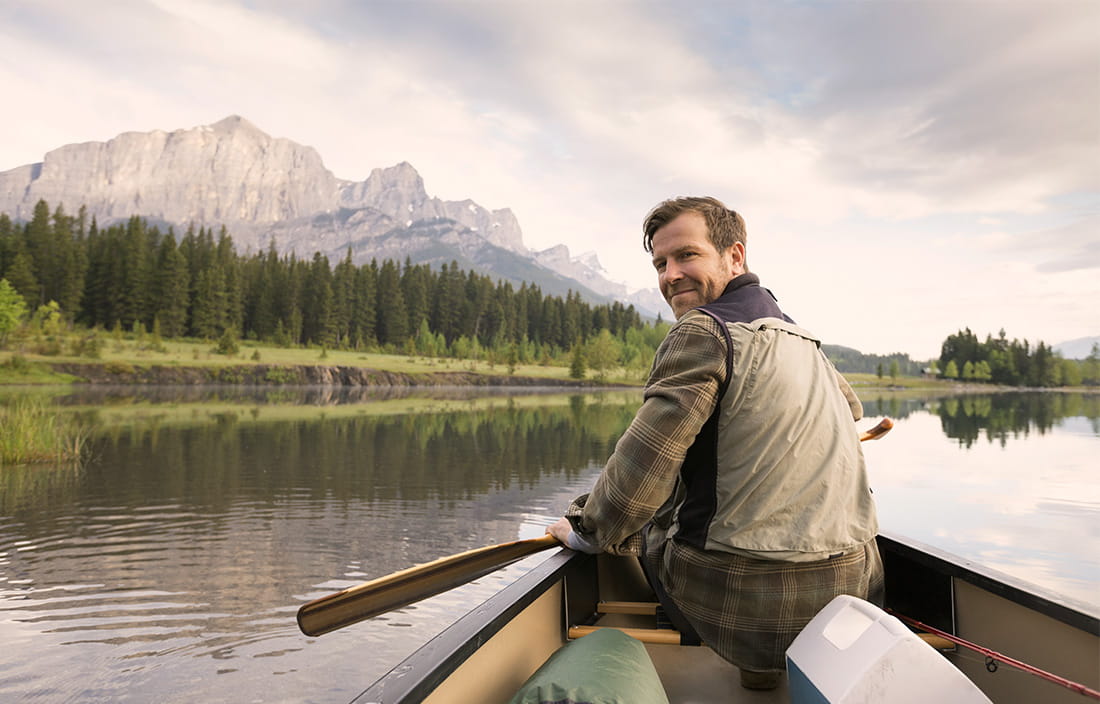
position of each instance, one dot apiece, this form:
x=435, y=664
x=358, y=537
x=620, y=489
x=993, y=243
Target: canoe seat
x=606, y=666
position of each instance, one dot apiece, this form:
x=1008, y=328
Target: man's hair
x=724, y=226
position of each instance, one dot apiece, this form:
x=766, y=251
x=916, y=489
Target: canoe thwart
x=658, y=636
x=637, y=608
x=937, y=642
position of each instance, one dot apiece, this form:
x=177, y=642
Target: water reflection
x=170, y=565
x=1007, y=480
x=968, y=417
x=998, y=417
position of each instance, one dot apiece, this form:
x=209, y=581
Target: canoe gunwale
x=418, y=675
x=1061, y=608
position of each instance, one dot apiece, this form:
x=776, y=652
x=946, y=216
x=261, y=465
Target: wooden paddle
x=878, y=431
x=411, y=585
x=418, y=582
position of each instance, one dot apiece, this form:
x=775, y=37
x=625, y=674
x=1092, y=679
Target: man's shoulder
x=692, y=334
x=696, y=321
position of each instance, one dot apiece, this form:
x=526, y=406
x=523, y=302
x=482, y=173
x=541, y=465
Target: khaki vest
x=777, y=472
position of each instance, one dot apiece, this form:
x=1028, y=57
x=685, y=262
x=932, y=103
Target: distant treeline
x=850, y=361
x=132, y=274
x=999, y=360
x=963, y=357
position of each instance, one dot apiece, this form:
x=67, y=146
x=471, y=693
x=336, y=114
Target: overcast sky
x=906, y=168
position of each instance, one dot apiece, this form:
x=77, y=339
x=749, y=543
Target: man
x=740, y=482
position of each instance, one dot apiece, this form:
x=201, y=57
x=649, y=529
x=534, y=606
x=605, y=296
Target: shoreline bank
x=298, y=375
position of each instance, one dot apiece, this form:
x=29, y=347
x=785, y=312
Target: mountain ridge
x=267, y=189
x=1079, y=348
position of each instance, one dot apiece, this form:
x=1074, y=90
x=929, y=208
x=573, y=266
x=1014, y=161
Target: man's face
x=690, y=271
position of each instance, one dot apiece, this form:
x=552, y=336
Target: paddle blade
x=878, y=431
x=409, y=586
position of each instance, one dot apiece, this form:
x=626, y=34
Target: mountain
x=1077, y=349
x=266, y=189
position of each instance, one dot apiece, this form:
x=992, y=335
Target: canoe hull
x=490, y=652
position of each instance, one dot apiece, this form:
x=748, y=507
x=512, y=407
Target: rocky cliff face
x=226, y=173
x=267, y=189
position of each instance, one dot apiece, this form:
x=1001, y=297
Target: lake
x=169, y=566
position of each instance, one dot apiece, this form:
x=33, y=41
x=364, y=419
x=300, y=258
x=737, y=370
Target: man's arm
x=849, y=395
x=641, y=473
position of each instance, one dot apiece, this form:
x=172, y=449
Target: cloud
x=1070, y=248
x=954, y=139
x=979, y=106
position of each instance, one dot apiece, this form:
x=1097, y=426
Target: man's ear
x=736, y=254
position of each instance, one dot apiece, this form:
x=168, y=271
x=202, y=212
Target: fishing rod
x=993, y=657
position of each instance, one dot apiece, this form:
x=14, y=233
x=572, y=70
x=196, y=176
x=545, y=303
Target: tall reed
x=32, y=431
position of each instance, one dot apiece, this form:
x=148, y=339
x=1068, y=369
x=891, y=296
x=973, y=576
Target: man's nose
x=672, y=272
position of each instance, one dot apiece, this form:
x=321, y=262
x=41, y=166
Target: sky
x=906, y=168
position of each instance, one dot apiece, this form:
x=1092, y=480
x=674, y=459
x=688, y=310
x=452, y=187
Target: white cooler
x=853, y=652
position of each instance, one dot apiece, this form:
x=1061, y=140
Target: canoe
x=1006, y=626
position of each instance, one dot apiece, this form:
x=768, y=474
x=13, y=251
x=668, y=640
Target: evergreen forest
x=133, y=274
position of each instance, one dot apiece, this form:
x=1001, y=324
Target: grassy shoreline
x=32, y=431
x=18, y=367
x=126, y=357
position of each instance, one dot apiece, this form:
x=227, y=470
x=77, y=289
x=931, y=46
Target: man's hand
x=563, y=531
x=560, y=529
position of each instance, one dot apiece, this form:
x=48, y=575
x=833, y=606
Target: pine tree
x=38, y=235
x=393, y=318
x=364, y=305
x=447, y=303
x=73, y=262
x=478, y=292
x=289, y=302
x=571, y=328
x=209, y=317
x=343, y=299
x=415, y=287
x=577, y=364
x=550, y=329
x=317, y=304
x=7, y=242
x=230, y=264
x=264, y=274
x=136, y=273
x=171, y=286
x=102, y=300
x=21, y=276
